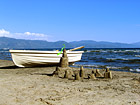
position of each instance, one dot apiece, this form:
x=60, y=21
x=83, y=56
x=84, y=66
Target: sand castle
x=64, y=71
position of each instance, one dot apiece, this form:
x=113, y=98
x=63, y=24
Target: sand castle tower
x=108, y=74
x=82, y=73
x=77, y=76
x=64, y=60
x=63, y=70
x=92, y=75
x=98, y=74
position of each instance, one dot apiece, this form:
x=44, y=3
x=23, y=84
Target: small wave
x=123, y=60
x=136, y=70
x=119, y=59
x=126, y=68
x=95, y=51
x=128, y=51
x=89, y=66
x=97, y=66
x=113, y=67
x=115, y=51
x=4, y=51
x=137, y=55
x=131, y=70
x=5, y=48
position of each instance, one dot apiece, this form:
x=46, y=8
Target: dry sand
x=31, y=86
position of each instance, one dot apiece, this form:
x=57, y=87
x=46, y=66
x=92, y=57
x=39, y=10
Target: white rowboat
x=30, y=58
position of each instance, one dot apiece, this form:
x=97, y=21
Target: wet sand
x=33, y=86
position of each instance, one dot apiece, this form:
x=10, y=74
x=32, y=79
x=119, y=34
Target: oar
x=77, y=48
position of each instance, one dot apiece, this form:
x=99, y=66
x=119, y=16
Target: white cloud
x=25, y=35
x=34, y=34
x=4, y=32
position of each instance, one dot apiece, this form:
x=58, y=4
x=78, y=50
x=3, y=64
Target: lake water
x=121, y=59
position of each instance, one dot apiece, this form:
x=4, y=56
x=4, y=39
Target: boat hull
x=30, y=58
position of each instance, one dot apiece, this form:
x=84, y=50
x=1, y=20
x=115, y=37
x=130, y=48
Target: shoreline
x=33, y=87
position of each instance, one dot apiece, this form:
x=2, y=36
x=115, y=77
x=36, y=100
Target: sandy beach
x=32, y=86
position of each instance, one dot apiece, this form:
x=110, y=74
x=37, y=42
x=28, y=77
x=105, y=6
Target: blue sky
x=71, y=20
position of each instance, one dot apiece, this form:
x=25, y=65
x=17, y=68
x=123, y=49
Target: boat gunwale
x=44, y=52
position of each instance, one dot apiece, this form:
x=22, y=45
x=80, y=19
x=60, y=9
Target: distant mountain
x=137, y=44
x=102, y=44
x=12, y=43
